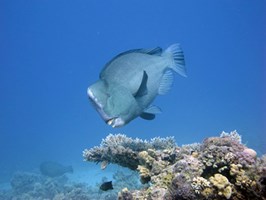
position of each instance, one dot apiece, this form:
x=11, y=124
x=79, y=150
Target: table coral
x=124, y=150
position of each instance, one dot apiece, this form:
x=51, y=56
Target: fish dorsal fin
x=149, y=113
x=166, y=82
x=143, y=86
x=154, y=51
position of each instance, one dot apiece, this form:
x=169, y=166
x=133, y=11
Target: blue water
x=51, y=51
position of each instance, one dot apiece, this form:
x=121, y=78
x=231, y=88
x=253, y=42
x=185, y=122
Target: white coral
x=233, y=135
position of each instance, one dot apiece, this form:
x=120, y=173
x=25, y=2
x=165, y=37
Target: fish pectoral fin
x=143, y=86
x=149, y=113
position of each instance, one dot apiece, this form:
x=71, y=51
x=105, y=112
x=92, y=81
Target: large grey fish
x=54, y=169
x=130, y=82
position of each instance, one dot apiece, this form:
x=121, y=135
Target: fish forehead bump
x=90, y=93
x=98, y=94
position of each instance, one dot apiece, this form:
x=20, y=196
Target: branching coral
x=233, y=135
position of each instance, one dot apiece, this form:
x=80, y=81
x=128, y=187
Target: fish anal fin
x=147, y=116
x=149, y=113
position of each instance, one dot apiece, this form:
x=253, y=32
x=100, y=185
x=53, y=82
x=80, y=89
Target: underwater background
x=51, y=51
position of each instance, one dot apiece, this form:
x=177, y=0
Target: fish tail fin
x=175, y=53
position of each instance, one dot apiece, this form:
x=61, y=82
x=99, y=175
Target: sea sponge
x=222, y=184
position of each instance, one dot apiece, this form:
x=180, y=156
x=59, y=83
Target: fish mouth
x=111, y=121
x=115, y=122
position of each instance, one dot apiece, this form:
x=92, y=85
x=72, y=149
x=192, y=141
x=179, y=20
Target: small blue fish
x=106, y=186
x=130, y=82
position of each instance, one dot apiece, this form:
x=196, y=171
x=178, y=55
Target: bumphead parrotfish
x=130, y=82
x=54, y=169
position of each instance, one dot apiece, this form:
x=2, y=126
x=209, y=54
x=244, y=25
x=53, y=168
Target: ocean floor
x=218, y=168
x=84, y=183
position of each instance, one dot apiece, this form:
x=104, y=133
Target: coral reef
x=34, y=186
x=218, y=168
